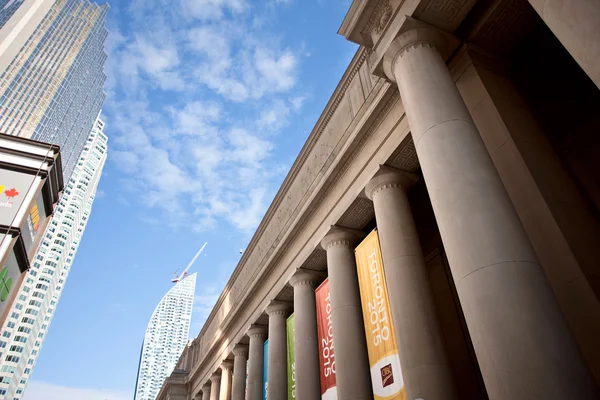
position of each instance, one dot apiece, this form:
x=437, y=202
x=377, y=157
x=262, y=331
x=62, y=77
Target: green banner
x=291, y=360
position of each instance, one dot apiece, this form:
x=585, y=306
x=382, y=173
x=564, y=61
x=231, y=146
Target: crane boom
x=184, y=274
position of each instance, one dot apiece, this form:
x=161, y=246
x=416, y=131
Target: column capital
x=388, y=177
x=215, y=377
x=240, y=350
x=206, y=388
x=227, y=364
x=413, y=34
x=338, y=236
x=258, y=331
x=278, y=307
x=302, y=277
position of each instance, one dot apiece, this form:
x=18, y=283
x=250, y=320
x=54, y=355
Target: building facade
x=464, y=133
x=166, y=336
x=51, y=88
x=23, y=333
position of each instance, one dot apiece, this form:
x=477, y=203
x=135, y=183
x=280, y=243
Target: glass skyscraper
x=7, y=9
x=52, y=90
x=166, y=336
x=24, y=331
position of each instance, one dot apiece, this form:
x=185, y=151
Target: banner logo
x=10, y=195
x=387, y=375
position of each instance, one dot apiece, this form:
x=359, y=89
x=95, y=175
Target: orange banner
x=384, y=361
x=325, y=334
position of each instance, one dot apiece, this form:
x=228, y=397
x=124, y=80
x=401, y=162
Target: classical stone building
x=467, y=133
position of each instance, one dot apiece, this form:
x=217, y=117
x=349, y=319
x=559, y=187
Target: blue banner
x=265, y=375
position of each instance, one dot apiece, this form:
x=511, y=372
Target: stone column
x=575, y=24
x=353, y=374
x=257, y=335
x=523, y=344
x=277, y=370
x=206, y=392
x=215, y=386
x=306, y=344
x=425, y=367
x=240, y=354
x=226, y=371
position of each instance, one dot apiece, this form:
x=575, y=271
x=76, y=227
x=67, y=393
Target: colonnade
x=523, y=345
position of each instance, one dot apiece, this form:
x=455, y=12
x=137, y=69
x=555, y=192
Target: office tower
x=24, y=331
x=166, y=337
x=51, y=90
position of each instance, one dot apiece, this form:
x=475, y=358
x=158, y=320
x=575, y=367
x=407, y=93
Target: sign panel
x=265, y=369
x=9, y=272
x=13, y=190
x=325, y=335
x=291, y=359
x=384, y=360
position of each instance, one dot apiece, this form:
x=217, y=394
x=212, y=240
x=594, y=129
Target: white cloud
x=49, y=391
x=238, y=66
x=212, y=9
x=275, y=117
x=205, y=154
x=197, y=117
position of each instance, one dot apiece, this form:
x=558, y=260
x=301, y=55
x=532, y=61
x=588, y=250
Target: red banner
x=326, y=353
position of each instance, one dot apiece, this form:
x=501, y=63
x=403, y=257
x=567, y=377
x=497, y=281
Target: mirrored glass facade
x=7, y=9
x=52, y=90
x=166, y=336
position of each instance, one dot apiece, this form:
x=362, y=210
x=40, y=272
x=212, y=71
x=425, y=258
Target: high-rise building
x=24, y=331
x=52, y=88
x=166, y=336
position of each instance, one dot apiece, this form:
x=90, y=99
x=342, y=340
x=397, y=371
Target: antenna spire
x=178, y=278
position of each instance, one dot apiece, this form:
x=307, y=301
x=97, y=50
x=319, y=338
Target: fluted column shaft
x=240, y=354
x=277, y=369
x=523, y=344
x=215, y=387
x=206, y=392
x=425, y=367
x=257, y=335
x=306, y=345
x=226, y=371
x=353, y=377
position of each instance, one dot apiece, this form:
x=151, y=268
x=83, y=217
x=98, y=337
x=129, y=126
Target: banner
x=325, y=335
x=386, y=373
x=265, y=369
x=291, y=359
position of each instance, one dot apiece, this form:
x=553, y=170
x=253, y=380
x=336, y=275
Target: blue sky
x=209, y=103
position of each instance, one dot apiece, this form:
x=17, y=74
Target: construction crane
x=178, y=278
